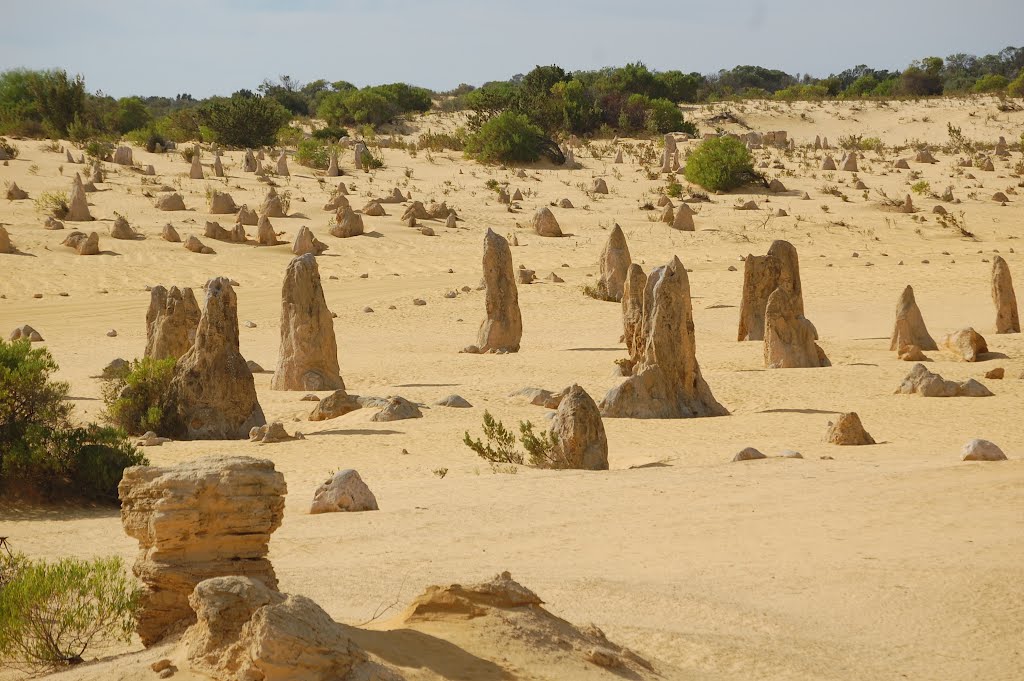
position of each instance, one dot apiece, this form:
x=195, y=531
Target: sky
x=206, y=47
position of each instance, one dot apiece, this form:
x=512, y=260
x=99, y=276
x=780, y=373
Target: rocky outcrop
x=122, y=230
x=966, y=343
x=209, y=517
x=665, y=381
x=1003, y=297
x=922, y=382
x=633, y=307
x=282, y=165
x=272, y=206
x=788, y=336
x=580, y=441
x=123, y=156
x=170, y=202
x=249, y=164
x=600, y=186
x=83, y=243
x=5, y=242
x=345, y=491
x=308, y=354
x=212, y=395
x=397, y=408
x=265, y=233
x=334, y=405
x=683, y=218
x=614, y=264
x=196, y=171
x=849, y=163
x=78, y=206
x=245, y=631
x=305, y=243
x=545, y=224
x=780, y=268
x=171, y=322
x=502, y=329
x=221, y=203
x=25, y=332
x=349, y=223
x=247, y=216
x=848, y=430
x=910, y=329
x=16, y=193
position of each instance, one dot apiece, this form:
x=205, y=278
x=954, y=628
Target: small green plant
x=52, y=613
x=440, y=472
x=921, y=187
x=436, y=141
x=98, y=149
x=371, y=162
x=673, y=189
x=500, y=448
x=314, y=153
x=721, y=164
x=329, y=133
x=187, y=153
x=53, y=203
x=134, y=399
x=596, y=291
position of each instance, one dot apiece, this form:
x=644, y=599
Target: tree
x=58, y=98
x=509, y=137
x=131, y=114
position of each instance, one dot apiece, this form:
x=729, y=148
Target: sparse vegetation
x=133, y=399
x=54, y=204
x=500, y=446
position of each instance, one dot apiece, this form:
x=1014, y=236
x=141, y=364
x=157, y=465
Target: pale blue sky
x=209, y=47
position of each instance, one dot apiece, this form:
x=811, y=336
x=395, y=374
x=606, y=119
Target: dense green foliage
x=375, y=105
x=314, y=153
x=41, y=453
x=720, y=164
x=246, y=121
x=52, y=613
x=133, y=400
x=509, y=137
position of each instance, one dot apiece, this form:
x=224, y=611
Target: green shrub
x=500, y=448
x=131, y=114
x=330, y=133
x=54, y=204
x=992, y=82
x=134, y=400
x=720, y=164
x=1016, y=88
x=99, y=149
x=52, y=613
x=147, y=137
x=183, y=125
x=673, y=189
x=41, y=453
x=508, y=137
x=246, y=121
x=314, y=153
x=439, y=141
x=921, y=187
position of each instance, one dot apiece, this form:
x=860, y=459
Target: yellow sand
x=896, y=561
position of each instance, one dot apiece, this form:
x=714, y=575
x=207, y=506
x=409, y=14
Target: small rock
x=748, y=454
x=112, y=333
x=981, y=450
x=996, y=373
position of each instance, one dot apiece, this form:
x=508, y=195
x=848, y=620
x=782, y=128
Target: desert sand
x=891, y=561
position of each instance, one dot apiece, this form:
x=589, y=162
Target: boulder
x=614, y=264
x=193, y=244
x=170, y=202
x=909, y=329
x=123, y=156
x=849, y=162
x=249, y=164
x=922, y=382
x=966, y=344
x=5, y=242
x=924, y=156
x=16, y=193
x=683, y=220
x=337, y=201
x=1003, y=297
x=247, y=216
x=580, y=441
x=308, y=354
x=668, y=216
x=265, y=234
x=171, y=322
x=270, y=433
x=221, y=203
x=348, y=224
x=545, y=224
x=218, y=167
x=416, y=210
x=776, y=187
x=665, y=380
x=332, y=166
x=25, y=332
x=122, y=230
x=829, y=163
x=397, y=408
x=788, y=336
x=981, y=450
x=248, y=632
x=454, y=401
x=204, y=518
x=282, y=165
x=848, y=430
x=374, y=209
x=502, y=328
x=272, y=206
x=305, y=243
x=565, y=203
x=212, y=395
x=84, y=244
x=78, y=207
x=600, y=186
x=334, y=405
x=748, y=454
x=525, y=276
x=344, y=491
x=52, y=224
x=213, y=230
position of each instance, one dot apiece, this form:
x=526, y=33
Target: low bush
x=246, y=121
x=508, y=137
x=134, y=399
x=330, y=133
x=42, y=455
x=314, y=153
x=54, y=204
x=500, y=446
x=11, y=150
x=147, y=137
x=439, y=141
x=51, y=614
x=721, y=164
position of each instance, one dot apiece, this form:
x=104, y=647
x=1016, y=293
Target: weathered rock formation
x=305, y=243
x=205, y=518
x=171, y=322
x=334, y=405
x=848, y=430
x=922, y=382
x=16, y=193
x=788, y=336
x=349, y=223
x=5, y=242
x=272, y=206
x=212, y=395
x=1003, y=297
x=282, y=165
x=614, y=264
x=345, y=491
x=122, y=230
x=397, y=408
x=981, y=450
x=196, y=171
x=966, y=343
x=502, y=329
x=683, y=219
x=910, y=329
x=780, y=268
x=633, y=307
x=83, y=243
x=665, y=381
x=265, y=234
x=170, y=202
x=123, y=156
x=78, y=206
x=545, y=224
x=221, y=203
x=580, y=441
x=308, y=355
